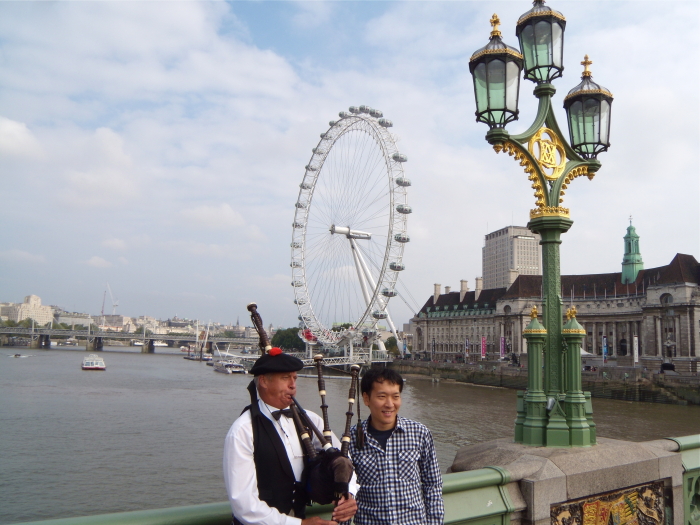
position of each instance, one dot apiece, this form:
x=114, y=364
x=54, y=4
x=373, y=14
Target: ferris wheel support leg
x=359, y=267
x=371, y=281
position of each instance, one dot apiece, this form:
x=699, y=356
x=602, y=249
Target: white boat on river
x=93, y=362
x=229, y=367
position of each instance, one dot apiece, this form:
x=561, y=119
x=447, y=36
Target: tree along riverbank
x=620, y=383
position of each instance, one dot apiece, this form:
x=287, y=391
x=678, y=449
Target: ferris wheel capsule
x=297, y=225
x=296, y=245
x=300, y=205
x=332, y=123
x=376, y=113
x=397, y=266
x=399, y=157
x=365, y=109
x=403, y=182
x=297, y=284
x=377, y=314
x=404, y=208
x=295, y=264
x=386, y=292
x=385, y=123
x=353, y=109
x=306, y=185
x=344, y=114
x=402, y=237
x=309, y=167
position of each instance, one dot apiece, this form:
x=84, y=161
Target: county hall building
x=656, y=309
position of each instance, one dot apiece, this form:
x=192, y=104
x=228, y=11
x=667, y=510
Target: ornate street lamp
x=540, y=32
x=553, y=411
x=588, y=112
x=496, y=70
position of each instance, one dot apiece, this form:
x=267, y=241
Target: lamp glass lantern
x=540, y=33
x=496, y=70
x=588, y=108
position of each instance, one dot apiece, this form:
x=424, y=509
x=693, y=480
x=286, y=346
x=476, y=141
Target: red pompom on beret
x=275, y=351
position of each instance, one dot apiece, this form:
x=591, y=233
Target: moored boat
x=93, y=362
x=229, y=367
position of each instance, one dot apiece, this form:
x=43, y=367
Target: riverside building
x=656, y=309
x=31, y=308
x=507, y=253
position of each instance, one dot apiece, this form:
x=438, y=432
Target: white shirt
x=239, y=466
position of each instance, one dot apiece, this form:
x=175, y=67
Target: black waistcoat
x=277, y=485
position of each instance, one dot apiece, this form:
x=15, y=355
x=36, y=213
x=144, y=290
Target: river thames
x=148, y=432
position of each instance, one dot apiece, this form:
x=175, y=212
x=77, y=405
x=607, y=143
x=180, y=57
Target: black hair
x=380, y=375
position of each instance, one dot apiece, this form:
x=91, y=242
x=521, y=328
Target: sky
x=159, y=146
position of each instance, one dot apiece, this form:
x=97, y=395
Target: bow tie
x=278, y=413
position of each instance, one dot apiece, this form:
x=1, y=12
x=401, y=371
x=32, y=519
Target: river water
x=148, y=432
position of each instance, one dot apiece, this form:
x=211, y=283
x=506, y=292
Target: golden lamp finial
x=571, y=313
x=586, y=62
x=533, y=312
x=495, y=22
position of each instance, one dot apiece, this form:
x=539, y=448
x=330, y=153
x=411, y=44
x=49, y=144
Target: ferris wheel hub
x=350, y=234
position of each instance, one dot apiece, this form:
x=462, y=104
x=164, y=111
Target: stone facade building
x=658, y=309
x=71, y=318
x=31, y=308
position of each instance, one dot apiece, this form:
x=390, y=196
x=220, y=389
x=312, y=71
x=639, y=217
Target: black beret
x=273, y=363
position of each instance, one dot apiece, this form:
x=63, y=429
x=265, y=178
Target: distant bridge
x=94, y=340
x=41, y=338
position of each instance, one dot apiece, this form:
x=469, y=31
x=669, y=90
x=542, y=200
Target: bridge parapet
x=484, y=496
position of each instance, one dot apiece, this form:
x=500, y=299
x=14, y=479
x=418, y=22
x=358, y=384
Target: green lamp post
x=553, y=411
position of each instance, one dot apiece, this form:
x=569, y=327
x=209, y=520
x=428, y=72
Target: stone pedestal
x=548, y=478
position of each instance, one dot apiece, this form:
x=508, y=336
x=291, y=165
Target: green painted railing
x=475, y=497
x=689, y=447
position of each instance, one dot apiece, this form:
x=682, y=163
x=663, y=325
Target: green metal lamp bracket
x=549, y=192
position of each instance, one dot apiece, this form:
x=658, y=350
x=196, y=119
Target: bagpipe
x=329, y=470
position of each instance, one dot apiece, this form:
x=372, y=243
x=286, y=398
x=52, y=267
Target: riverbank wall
x=621, y=383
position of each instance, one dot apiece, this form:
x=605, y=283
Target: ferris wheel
x=349, y=229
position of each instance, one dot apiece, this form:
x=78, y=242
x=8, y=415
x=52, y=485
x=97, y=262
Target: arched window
x=667, y=298
x=623, y=347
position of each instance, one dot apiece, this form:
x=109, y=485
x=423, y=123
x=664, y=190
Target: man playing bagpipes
x=265, y=459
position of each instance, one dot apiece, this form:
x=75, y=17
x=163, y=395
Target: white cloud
x=98, y=262
x=218, y=217
x=123, y=260
x=16, y=139
x=15, y=255
x=312, y=14
x=202, y=250
x=166, y=133
x=97, y=172
x=115, y=244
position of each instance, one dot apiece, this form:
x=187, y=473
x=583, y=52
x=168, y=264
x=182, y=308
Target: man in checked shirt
x=394, y=458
